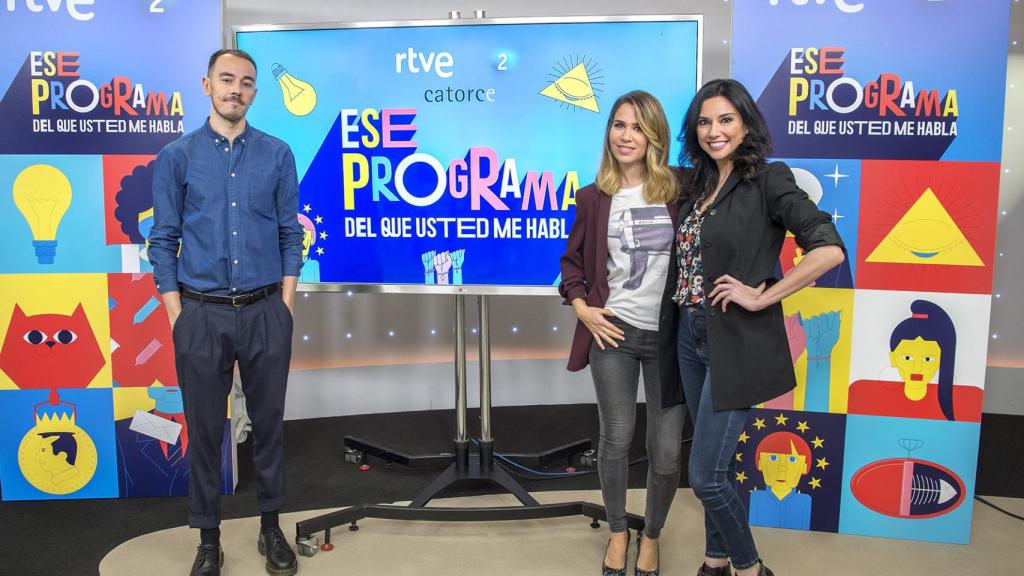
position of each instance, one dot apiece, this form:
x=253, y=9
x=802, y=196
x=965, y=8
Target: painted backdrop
x=902, y=147
x=89, y=93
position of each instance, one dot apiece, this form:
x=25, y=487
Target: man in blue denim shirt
x=229, y=194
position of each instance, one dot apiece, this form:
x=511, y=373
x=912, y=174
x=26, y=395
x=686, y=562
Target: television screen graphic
x=446, y=155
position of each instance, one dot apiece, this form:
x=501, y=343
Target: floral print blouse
x=690, y=284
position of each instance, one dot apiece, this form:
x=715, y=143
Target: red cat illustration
x=50, y=350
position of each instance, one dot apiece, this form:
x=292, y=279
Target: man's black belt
x=238, y=300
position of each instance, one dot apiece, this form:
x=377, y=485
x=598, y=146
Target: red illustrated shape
x=139, y=326
x=127, y=192
x=50, y=350
x=967, y=191
x=908, y=488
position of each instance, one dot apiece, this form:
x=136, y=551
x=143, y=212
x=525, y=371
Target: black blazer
x=742, y=236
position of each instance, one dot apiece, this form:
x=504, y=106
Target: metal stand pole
x=461, y=436
x=486, y=440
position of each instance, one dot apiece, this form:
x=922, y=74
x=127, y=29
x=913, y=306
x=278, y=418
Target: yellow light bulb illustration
x=299, y=96
x=42, y=194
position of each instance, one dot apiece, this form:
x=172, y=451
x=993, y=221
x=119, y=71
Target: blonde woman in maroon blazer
x=614, y=268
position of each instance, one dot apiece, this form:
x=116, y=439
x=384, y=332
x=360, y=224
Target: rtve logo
x=843, y=5
x=440, y=63
x=73, y=7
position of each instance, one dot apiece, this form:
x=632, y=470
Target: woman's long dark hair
x=749, y=156
x=930, y=322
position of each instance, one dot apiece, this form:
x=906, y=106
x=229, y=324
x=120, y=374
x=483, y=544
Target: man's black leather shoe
x=280, y=557
x=209, y=559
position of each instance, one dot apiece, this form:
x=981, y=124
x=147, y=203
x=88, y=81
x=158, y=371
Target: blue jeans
x=713, y=453
x=616, y=373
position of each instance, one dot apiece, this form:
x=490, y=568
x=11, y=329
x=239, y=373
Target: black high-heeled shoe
x=765, y=571
x=706, y=570
x=605, y=570
x=636, y=569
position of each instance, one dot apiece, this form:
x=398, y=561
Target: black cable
x=540, y=475
x=1007, y=512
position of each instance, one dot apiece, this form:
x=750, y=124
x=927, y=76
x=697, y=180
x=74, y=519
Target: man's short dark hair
x=232, y=52
x=65, y=443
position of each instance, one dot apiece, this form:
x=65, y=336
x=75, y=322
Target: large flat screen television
x=444, y=156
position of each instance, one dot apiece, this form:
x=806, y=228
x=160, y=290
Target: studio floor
x=570, y=546
x=132, y=536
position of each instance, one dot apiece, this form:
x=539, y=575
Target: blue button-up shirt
x=233, y=206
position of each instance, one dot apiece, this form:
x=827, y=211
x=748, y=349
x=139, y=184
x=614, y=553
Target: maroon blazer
x=585, y=263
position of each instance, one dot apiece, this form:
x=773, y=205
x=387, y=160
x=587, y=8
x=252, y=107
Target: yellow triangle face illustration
x=926, y=234
x=573, y=88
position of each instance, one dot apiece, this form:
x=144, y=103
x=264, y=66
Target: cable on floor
x=1004, y=511
x=541, y=475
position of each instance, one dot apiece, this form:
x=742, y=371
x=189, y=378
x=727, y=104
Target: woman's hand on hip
x=596, y=320
x=728, y=289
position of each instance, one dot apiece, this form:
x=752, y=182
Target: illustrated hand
x=822, y=333
x=458, y=257
x=595, y=320
x=428, y=266
x=728, y=289
x=428, y=261
x=796, y=334
x=442, y=264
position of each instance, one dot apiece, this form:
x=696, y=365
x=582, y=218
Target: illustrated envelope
x=155, y=427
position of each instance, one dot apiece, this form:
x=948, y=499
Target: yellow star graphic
x=318, y=220
x=739, y=456
x=759, y=423
x=815, y=483
x=741, y=477
x=802, y=426
x=323, y=235
x=781, y=420
x=818, y=442
x=744, y=437
x=320, y=251
x=306, y=207
x=822, y=463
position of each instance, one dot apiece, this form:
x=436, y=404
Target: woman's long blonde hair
x=660, y=186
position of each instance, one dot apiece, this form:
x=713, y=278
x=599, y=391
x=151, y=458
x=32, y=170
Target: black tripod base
x=539, y=459
x=351, y=515
x=473, y=471
x=463, y=468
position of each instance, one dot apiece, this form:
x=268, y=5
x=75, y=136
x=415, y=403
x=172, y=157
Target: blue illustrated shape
x=873, y=439
x=94, y=414
x=77, y=247
x=793, y=511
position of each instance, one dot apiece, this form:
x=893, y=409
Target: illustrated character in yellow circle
x=57, y=454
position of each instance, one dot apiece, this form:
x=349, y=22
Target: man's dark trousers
x=208, y=339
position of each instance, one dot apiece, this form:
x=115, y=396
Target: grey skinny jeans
x=616, y=373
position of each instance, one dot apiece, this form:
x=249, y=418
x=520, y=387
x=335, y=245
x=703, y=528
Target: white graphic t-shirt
x=640, y=239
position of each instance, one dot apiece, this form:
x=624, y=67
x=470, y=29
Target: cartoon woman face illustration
x=921, y=347
x=917, y=361
x=783, y=458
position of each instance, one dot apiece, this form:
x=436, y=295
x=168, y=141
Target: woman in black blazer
x=721, y=321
